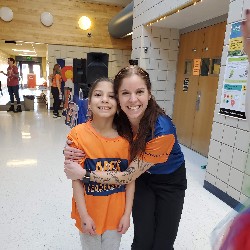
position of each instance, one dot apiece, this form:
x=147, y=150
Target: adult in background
x=56, y=89
x=157, y=162
x=13, y=85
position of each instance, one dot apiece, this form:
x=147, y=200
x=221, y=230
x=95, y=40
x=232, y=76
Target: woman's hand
x=124, y=224
x=245, y=28
x=73, y=170
x=71, y=153
x=88, y=225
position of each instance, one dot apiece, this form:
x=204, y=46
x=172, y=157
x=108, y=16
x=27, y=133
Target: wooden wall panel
x=26, y=25
x=3, y=67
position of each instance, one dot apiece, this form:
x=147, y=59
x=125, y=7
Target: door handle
x=198, y=100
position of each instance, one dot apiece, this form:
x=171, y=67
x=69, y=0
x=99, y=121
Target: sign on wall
x=235, y=78
x=196, y=67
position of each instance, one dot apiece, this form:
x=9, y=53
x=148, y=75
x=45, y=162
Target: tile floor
x=35, y=195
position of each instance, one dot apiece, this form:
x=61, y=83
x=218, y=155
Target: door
x=184, y=110
x=30, y=67
x=37, y=72
x=204, y=113
x=24, y=71
x=207, y=87
x=196, y=91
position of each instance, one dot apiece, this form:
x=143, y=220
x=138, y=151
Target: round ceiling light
x=6, y=14
x=46, y=19
x=84, y=23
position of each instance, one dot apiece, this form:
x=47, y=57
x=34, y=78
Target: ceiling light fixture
x=24, y=50
x=177, y=10
x=47, y=19
x=84, y=23
x=6, y=14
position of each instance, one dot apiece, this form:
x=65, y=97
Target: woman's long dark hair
x=57, y=69
x=147, y=123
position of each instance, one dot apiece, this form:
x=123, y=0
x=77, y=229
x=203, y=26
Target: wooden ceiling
x=122, y=3
x=23, y=48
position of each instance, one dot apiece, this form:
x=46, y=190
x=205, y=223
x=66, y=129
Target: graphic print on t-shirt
x=104, y=164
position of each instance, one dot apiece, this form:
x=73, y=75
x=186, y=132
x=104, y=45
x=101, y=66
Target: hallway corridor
x=35, y=196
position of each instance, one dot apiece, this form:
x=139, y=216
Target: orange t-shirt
x=56, y=78
x=105, y=203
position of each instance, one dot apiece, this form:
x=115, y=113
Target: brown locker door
x=184, y=104
x=207, y=90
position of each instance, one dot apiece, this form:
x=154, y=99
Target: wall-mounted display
x=235, y=78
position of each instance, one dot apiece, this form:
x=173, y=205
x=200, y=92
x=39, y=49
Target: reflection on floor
x=35, y=195
x=36, y=92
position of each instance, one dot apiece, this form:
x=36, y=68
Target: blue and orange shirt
x=162, y=148
x=105, y=203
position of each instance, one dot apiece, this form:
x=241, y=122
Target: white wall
x=117, y=58
x=148, y=10
x=229, y=157
x=160, y=61
x=3, y=67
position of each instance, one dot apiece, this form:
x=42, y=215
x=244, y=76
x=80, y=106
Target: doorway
x=196, y=86
x=30, y=67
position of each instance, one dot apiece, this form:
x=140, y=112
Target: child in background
x=102, y=211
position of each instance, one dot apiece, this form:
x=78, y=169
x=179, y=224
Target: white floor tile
x=35, y=195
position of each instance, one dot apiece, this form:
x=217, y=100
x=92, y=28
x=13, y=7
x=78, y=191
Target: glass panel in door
x=25, y=72
x=37, y=72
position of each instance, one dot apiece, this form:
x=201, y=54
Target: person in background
x=102, y=211
x=13, y=85
x=157, y=162
x=56, y=89
x=1, y=88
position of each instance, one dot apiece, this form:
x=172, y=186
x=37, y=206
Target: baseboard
x=236, y=205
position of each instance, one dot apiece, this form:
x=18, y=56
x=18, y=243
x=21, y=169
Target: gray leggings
x=109, y=240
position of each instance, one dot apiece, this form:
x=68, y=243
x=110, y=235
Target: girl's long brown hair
x=93, y=87
x=147, y=123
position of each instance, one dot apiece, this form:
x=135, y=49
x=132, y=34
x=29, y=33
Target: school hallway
x=35, y=202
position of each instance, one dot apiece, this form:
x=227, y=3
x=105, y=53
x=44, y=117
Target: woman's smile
x=133, y=97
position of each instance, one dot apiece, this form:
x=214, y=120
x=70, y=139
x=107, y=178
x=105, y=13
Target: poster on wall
x=235, y=78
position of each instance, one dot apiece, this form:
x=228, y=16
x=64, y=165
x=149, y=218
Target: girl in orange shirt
x=102, y=211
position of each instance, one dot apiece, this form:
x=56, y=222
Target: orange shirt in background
x=56, y=78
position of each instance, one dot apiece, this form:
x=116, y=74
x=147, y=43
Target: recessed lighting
x=24, y=50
